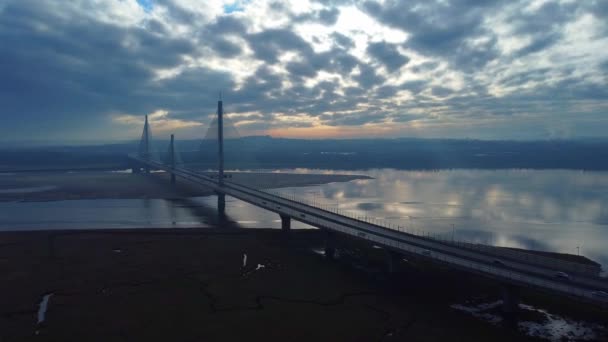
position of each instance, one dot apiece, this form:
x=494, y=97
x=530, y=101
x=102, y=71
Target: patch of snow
x=244, y=259
x=259, y=267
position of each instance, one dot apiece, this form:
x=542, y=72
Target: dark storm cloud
x=388, y=55
x=325, y=16
x=441, y=91
x=64, y=64
x=424, y=67
x=105, y=69
x=368, y=77
x=440, y=28
x=414, y=87
x=544, y=26
x=226, y=49
x=269, y=44
x=329, y=16
x=386, y=91
x=301, y=69
x=342, y=41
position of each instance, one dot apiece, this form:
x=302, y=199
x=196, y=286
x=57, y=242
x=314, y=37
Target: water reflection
x=549, y=210
x=553, y=210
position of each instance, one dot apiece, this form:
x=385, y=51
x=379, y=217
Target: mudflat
x=220, y=285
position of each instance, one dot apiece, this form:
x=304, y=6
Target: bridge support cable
x=146, y=150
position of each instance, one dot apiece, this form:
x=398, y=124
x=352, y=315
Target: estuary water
x=553, y=210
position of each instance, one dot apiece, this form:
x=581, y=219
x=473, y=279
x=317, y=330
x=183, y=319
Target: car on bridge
x=562, y=275
x=426, y=252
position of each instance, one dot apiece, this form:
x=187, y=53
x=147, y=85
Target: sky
x=90, y=70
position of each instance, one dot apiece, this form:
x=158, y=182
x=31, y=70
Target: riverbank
x=225, y=285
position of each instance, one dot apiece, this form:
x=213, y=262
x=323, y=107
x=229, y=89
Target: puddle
x=556, y=328
x=545, y=326
x=121, y=171
x=28, y=190
x=477, y=311
x=319, y=251
x=43, y=306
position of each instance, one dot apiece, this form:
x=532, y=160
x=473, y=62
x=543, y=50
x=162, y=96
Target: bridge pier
x=392, y=260
x=330, y=245
x=510, y=299
x=221, y=203
x=285, y=223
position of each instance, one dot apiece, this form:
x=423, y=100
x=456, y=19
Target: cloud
x=481, y=68
x=159, y=119
x=388, y=55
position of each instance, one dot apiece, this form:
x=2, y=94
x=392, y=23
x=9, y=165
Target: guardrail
x=385, y=236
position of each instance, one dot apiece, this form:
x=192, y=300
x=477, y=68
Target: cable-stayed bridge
x=513, y=269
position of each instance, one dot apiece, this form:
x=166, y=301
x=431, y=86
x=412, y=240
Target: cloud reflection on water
x=554, y=210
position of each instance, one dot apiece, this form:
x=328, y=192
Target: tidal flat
x=49, y=186
x=194, y=285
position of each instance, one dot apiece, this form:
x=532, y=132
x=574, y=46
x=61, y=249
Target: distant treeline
x=267, y=152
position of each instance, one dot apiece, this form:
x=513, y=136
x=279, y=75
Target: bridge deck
x=536, y=273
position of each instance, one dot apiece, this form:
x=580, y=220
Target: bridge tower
x=221, y=198
x=172, y=158
x=146, y=143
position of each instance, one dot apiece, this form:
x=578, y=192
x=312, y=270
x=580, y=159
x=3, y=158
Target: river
x=553, y=210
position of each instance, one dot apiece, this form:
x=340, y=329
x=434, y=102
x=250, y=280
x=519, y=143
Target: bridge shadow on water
x=207, y=214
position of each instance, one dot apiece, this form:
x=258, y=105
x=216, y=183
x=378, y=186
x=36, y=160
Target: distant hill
x=267, y=152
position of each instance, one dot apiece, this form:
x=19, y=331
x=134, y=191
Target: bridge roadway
x=515, y=272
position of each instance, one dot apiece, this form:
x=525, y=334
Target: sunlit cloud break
x=159, y=119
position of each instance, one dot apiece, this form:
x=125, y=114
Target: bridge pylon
x=221, y=198
x=172, y=158
x=146, y=144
